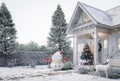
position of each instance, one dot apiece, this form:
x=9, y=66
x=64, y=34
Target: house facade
x=99, y=29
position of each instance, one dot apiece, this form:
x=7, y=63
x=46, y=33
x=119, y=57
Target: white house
x=92, y=26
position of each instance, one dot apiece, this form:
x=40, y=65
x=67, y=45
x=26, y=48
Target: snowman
x=57, y=63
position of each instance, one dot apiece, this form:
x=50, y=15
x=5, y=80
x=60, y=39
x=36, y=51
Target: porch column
x=95, y=46
x=75, y=52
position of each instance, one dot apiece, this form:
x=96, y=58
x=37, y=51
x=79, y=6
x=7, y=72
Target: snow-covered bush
x=32, y=63
x=11, y=62
x=115, y=73
x=101, y=74
x=83, y=70
x=86, y=70
x=91, y=71
x=67, y=66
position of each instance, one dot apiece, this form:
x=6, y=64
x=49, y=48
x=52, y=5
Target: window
x=80, y=48
x=84, y=18
x=105, y=44
x=105, y=49
x=119, y=43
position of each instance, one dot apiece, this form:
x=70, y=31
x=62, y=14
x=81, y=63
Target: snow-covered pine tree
x=57, y=40
x=7, y=33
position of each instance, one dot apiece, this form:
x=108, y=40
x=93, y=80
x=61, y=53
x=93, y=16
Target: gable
x=77, y=18
x=99, y=16
x=83, y=18
x=80, y=18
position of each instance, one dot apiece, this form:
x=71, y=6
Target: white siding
x=113, y=43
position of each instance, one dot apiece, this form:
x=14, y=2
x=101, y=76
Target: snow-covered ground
x=42, y=73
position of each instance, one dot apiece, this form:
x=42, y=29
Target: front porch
x=96, y=38
x=94, y=27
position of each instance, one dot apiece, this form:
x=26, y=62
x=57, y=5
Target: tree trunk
x=59, y=40
x=5, y=56
x=5, y=61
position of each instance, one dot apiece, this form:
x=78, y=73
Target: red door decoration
x=65, y=59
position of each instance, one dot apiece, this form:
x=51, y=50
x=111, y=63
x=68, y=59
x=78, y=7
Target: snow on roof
x=115, y=15
x=110, y=17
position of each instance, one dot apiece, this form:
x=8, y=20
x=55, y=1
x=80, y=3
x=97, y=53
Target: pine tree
x=7, y=33
x=57, y=40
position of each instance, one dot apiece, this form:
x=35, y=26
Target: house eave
x=70, y=22
x=108, y=26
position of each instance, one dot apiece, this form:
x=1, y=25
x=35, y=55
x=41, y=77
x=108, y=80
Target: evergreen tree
x=57, y=40
x=44, y=48
x=7, y=33
x=31, y=46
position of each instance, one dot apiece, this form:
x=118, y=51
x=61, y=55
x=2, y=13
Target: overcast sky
x=33, y=17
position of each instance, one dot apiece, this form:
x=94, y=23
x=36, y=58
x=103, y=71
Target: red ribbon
x=65, y=59
x=47, y=59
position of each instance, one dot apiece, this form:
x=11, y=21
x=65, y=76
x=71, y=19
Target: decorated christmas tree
x=87, y=55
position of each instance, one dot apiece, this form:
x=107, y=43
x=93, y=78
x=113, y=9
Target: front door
x=99, y=50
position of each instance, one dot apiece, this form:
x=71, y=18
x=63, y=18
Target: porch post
x=75, y=53
x=95, y=46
